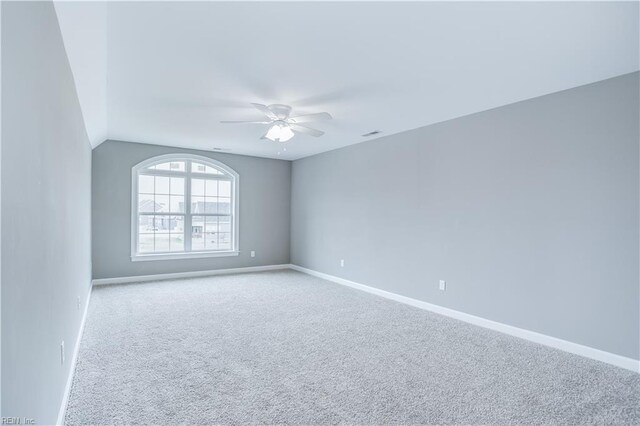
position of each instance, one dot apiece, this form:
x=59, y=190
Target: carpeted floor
x=284, y=347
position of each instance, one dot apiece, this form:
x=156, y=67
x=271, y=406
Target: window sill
x=176, y=256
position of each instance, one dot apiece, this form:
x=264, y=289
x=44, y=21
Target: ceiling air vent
x=375, y=132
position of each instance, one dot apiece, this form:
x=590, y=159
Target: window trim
x=235, y=208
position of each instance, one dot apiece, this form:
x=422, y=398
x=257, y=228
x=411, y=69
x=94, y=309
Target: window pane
x=161, y=166
x=224, y=224
x=145, y=243
x=212, y=224
x=224, y=188
x=177, y=186
x=202, y=168
x=224, y=242
x=211, y=233
x=145, y=184
x=176, y=166
x=197, y=233
x=162, y=185
x=211, y=205
x=177, y=225
x=145, y=224
x=197, y=205
x=176, y=242
x=146, y=203
x=211, y=188
x=224, y=205
x=162, y=203
x=163, y=224
x=197, y=187
x=177, y=204
x=162, y=242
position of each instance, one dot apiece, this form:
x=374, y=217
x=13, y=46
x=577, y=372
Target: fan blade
x=250, y=122
x=266, y=111
x=307, y=130
x=310, y=117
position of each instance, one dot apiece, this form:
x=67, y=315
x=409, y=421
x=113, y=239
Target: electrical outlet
x=62, y=352
x=253, y=253
x=78, y=303
x=443, y=285
x=342, y=263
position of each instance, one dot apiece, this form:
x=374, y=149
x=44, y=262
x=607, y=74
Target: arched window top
x=186, y=163
x=183, y=206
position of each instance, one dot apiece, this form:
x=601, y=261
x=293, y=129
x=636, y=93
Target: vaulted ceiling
x=168, y=72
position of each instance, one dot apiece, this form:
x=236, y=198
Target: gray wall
x=265, y=195
x=528, y=211
x=46, y=207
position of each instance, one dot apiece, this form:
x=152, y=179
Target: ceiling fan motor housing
x=281, y=111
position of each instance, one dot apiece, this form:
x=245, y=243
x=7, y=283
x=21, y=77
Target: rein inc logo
x=18, y=421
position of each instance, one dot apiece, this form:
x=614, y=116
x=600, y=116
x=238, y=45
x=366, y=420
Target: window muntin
x=185, y=207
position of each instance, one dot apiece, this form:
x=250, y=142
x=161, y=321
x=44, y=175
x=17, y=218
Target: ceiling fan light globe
x=285, y=133
x=279, y=132
x=273, y=133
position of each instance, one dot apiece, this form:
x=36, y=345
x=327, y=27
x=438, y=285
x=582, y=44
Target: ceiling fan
x=282, y=126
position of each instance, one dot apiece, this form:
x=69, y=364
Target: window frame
x=232, y=176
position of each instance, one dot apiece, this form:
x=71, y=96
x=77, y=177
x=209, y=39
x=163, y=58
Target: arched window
x=183, y=206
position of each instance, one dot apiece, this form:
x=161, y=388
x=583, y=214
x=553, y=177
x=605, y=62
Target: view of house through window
x=184, y=205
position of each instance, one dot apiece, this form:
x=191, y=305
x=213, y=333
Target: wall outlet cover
x=443, y=285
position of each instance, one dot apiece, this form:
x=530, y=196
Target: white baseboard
x=574, y=348
x=190, y=274
x=67, y=390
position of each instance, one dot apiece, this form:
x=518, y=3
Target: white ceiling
x=84, y=31
x=174, y=70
